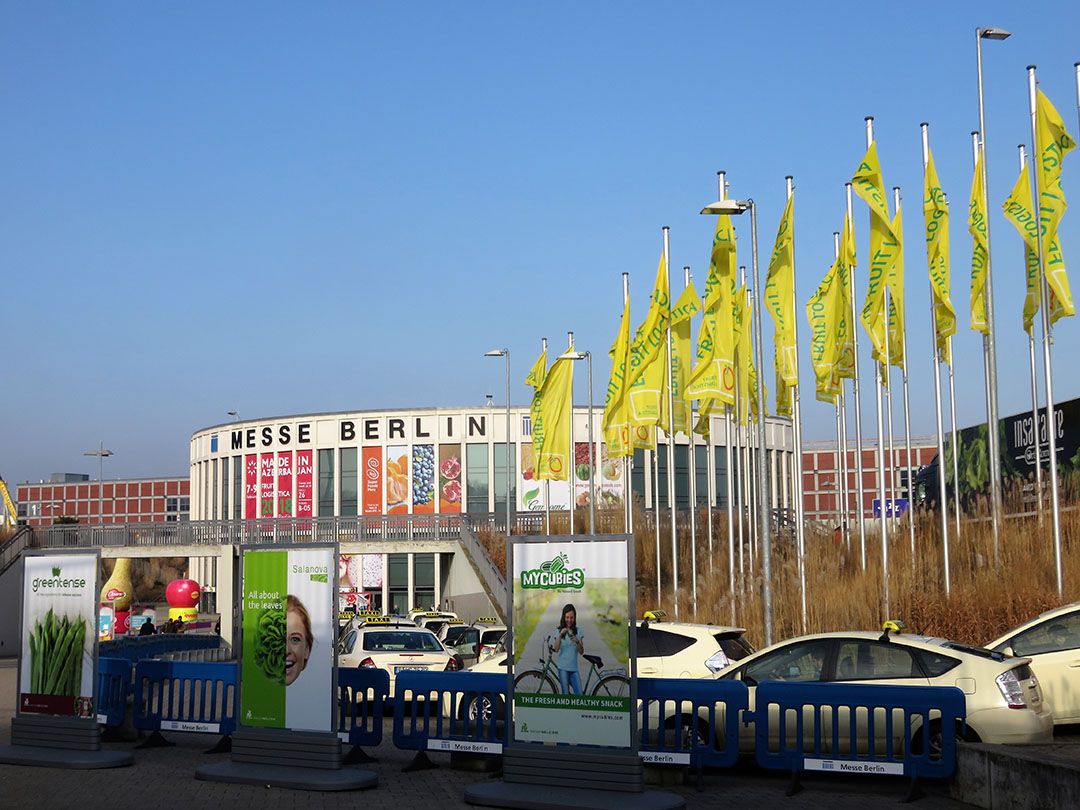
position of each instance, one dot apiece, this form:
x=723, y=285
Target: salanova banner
x=287, y=668
x=56, y=673
x=571, y=642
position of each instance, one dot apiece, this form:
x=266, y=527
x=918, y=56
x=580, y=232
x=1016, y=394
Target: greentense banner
x=56, y=674
x=287, y=667
x=571, y=642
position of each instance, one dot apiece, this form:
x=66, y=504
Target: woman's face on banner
x=297, y=648
x=570, y=618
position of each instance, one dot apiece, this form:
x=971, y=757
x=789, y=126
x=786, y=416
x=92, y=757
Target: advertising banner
x=266, y=485
x=610, y=480
x=284, y=484
x=397, y=480
x=362, y=572
x=572, y=600
x=423, y=480
x=59, y=605
x=450, y=478
x=251, y=486
x=531, y=492
x=372, y=481
x=304, y=484
x=287, y=668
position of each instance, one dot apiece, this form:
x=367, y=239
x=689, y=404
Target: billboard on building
x=371, y=486
x=304, y=484
x=287, y=666
x=397, y=479
x=59, y=609
x=449, y=478
x=285, y=484
x=423, y=479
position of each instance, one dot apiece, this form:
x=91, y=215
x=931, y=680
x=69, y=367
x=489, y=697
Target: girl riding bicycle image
x=569, y=644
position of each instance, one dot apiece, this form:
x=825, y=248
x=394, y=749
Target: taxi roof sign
x=654, y=615
x=379, y=620
x=487, y=620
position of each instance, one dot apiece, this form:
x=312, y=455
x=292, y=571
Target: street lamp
x=592, y=444
x=734, y=207
x=101, y=454
x=509, y=505
x=235, y=415
x=990, y=339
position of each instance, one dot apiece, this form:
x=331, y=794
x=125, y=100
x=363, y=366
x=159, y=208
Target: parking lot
x=166, y=775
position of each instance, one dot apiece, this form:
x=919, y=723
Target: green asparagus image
x=56, y=655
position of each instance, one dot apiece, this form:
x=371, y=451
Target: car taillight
x=367, y=663
x=451, y=666
x=717, y=661
x=1011, y=689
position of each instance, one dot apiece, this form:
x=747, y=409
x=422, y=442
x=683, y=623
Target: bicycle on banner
x=603, y=682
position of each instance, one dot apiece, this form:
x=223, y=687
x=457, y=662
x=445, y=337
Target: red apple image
x=182, y=593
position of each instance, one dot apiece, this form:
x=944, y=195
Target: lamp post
x=509, y=506
x=234, y=414
x=993, y=442
x=764, y=528
x=592, y=444
x=101, y=454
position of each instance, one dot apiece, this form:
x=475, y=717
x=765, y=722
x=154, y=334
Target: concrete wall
x=10, y=609
x=469, y=599
x=1028, y=777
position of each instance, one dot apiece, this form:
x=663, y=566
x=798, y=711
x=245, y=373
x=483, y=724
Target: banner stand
x=48, y=737
x=284, y=742
x=579, y=769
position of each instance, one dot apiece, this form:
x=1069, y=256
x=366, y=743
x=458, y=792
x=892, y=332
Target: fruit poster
x=572, y=606
x=251, y=486
x=288, y=610
x=582, y=469
x=397, y=480
x=609, y=483
x=362, y=572
x=532, y=493
x=449, y=478
x=423, y=479
x=371, y=481
x=304, y=483
x=284, y=484
x=56, y=665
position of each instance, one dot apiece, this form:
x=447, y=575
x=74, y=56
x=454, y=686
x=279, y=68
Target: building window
x=326, y=483
x=214, y=489
x=423, y=580
x=476, y=478
x=701, y=475
x=348, y=482
x=238, y=487
x=660, y=496
x=500, y=476
x=398, y=583
x=225, y=488
x=637, y=475
x=720, y=473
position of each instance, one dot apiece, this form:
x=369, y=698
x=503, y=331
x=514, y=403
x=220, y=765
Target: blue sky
x=284, y=208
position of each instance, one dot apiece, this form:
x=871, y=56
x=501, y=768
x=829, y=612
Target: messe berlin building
x=442, y=461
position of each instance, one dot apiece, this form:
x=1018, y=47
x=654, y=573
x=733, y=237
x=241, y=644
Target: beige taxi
x=392, y=645
x=1051, y=641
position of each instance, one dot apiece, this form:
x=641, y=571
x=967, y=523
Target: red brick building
x=139, y=500
x=821, y=476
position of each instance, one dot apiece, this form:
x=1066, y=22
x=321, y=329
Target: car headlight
x=1011, y=689
x=717, y=661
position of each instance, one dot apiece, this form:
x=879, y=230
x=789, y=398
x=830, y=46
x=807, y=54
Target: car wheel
x=935, y=739
x=693, y=731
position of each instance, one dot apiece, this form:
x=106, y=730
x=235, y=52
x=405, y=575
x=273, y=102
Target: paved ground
x=164, y=777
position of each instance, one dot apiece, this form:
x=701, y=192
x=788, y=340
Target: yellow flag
x=713, y=376
x=535, y=378
x=821, y=312
x=615, y=425
x=977, y=229
x=551, y=424
x=1053, y=143
x=1018, y=210
x=867, y=182
x=647, y=359
x=936, y=216
x=896, y=296
x=688, y=305
x=844, y=327
x=780, y=301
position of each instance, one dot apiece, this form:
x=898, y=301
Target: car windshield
x=401, y=641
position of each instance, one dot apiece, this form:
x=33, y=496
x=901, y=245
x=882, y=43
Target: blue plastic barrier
x=690, y=722
x=816, y=726
x=184, y=696
x=450, y=711
x=139, y=648
x=114, y=685
x=362, y=695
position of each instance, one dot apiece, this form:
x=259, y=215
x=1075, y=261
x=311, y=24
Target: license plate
x=408, y=668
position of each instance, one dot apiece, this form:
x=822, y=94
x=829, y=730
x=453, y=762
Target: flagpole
x=943, y=504
x=692, y=469
x=745, y=550
x=955, y=443
x=1048, y=372
x=881, y=429
x=571, y=472
x=656, y=505
x=994, y=439
x=547, y=482
x=860, y=507
x=1034, y=388
x=796, y=418
x=987, y=390
x=628, y=494
x=841, y=443
x=671, y=436
x=907, y=409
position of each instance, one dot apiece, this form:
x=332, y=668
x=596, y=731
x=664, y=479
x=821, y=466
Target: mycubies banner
x=57, y=666
x=571, y=643
x=287, y=669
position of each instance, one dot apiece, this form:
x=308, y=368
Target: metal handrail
x=14, y=546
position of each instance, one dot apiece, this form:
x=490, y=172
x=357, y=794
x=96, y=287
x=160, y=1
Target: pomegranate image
x=450, y=468
x=451, y=491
